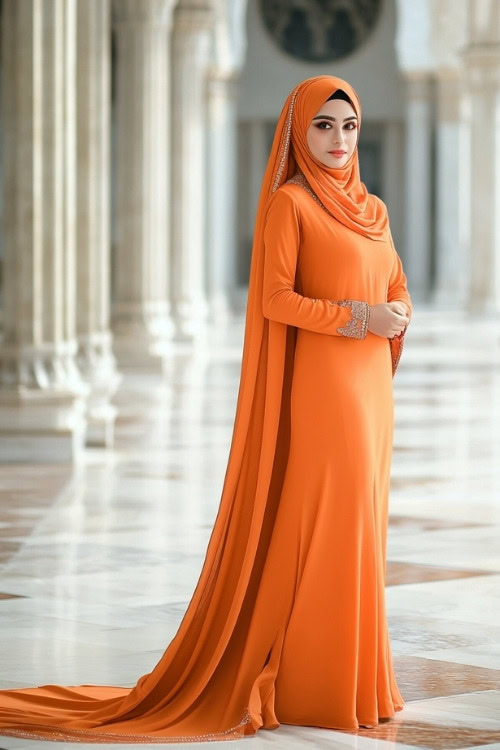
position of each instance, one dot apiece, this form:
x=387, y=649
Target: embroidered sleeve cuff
x=357, y=326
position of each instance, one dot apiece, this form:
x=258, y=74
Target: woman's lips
x=337, y=153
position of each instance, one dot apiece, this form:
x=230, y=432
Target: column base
x=101, y=426
x=97, y=365
x=190, y=328
x=42, y=427
x=141, y=341
x=220, y=310
x=131, y=355
x=57, y=447
x=190, y=319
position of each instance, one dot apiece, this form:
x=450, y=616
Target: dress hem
x=245, y=728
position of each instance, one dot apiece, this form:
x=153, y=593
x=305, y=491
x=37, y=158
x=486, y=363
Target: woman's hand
x=388, y=319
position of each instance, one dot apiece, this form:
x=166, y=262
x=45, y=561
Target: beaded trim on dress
x=90, y=736
x=357, y=326
x=299, y=178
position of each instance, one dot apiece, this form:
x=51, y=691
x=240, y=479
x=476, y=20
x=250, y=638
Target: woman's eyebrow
x=327, y=117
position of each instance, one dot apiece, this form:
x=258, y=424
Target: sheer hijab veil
x=221, y=604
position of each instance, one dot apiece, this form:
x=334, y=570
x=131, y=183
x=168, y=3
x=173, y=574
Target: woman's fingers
x=400, y=309
x=404, y=315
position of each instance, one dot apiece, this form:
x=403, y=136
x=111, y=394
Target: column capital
x=223, y=82
x=152, y=12
x=450, y=85
x=193, y=17
x=482, y=64
x=418, y=84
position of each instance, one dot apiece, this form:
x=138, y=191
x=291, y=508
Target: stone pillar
x=481, y=58
x=191, y=53
x=418, y=194
x=140, y=310
x=95, y=357
x=451, y=164
x=222, y=192
x=42, y=395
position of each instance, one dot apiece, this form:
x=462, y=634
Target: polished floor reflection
x=99, y=562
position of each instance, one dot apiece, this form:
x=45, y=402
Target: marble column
x=95, y=356
x=452, y=163
x=191, y=54
x=42, y=394
x=140, y=309
x=418, y=193
x=481, y=58
x=222, y=192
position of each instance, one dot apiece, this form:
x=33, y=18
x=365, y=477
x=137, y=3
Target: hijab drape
x=250, y=495
x=339, y=189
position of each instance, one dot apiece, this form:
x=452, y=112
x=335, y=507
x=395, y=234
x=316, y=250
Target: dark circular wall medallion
x=320, y=30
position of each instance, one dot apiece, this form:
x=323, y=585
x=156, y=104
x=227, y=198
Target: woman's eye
x=319, y=125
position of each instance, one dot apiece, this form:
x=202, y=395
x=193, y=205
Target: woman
x=287, y=623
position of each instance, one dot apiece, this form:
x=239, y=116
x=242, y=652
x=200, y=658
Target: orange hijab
x=339, y=189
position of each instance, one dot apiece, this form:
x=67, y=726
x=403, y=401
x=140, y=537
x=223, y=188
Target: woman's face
x=333, y=128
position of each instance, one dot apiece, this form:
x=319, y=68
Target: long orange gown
x=335, y=663
x=298, y=634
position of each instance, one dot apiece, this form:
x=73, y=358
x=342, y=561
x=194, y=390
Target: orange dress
x=335, y=663
x=288, y=621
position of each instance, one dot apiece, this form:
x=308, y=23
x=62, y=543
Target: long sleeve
x=398, y=288
x=280, y=300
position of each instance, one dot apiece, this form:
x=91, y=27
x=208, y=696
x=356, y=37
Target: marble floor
x=99, y=561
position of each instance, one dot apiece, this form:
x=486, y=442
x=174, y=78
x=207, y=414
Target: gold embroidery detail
x=285, y=142
x=68, y=735
x=357, y=326
x=299, y=178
